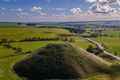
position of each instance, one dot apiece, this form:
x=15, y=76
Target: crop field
x=12, y=36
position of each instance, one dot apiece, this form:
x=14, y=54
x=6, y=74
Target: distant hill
x=73, y=24
x=106, y=23
x=8, y=24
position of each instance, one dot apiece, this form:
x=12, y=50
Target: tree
x=7, y=45
x=18, y=50
x=4, y=40
x=90, y=48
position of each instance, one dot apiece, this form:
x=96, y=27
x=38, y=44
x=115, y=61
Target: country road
x=98, y=45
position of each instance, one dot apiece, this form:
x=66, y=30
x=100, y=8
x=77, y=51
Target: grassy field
x=21, y=33
x=8, y=56
x=7, y=60
x=111, y=42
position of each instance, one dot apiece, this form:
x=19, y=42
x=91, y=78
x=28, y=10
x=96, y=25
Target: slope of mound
x=59, y=61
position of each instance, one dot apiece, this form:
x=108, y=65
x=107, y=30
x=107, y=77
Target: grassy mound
x=48, y=63
x=59, y=61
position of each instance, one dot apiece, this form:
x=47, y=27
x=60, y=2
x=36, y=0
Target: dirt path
x=102, y=48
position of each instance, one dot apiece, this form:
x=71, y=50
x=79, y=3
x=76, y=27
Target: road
x=102, y=48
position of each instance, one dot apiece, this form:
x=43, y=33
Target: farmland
x=111, y=42
x=18, y=43
x=13, y=36
x=109, y=38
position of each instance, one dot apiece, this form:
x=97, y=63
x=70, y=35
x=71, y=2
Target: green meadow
x=21, y=33
x=111, y=42
x=18, y=43
x=8, y=56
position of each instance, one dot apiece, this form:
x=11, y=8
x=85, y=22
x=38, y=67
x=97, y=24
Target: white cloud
x=107, y=8
x=59, y=9
x=104, y=1
x=91, y=1
x=2, y=8
x=118, y=1
x=76, y=11
x=104, y=6
x=38, y=9
x=22, y=14
x=19, y=9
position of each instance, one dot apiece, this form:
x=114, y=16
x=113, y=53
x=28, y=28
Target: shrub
x=7, y=45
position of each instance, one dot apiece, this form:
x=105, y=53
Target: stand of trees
x=94, y=50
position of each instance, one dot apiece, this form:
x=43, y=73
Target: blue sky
x=58, y=10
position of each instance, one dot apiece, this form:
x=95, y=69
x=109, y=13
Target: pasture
x=111, y=42
x=13, y=37
x=17, y=43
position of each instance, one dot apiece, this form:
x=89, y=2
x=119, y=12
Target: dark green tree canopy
x=49, y=62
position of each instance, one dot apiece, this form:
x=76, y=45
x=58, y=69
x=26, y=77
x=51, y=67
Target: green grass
x=112, y=44
x=82, y=43
x=17, y=33
x=5, y=52
x=14, y=33
x=112, y=33
x=6, y=72
x=31, y=46
x=21, y=33
x=111, y=41
x=6, y=64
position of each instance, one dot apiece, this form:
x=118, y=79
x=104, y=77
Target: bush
x=7, y=45
x=96, y=51
x=28, y=52
x=90, y=48
x=18, y=50
x=4, y=40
